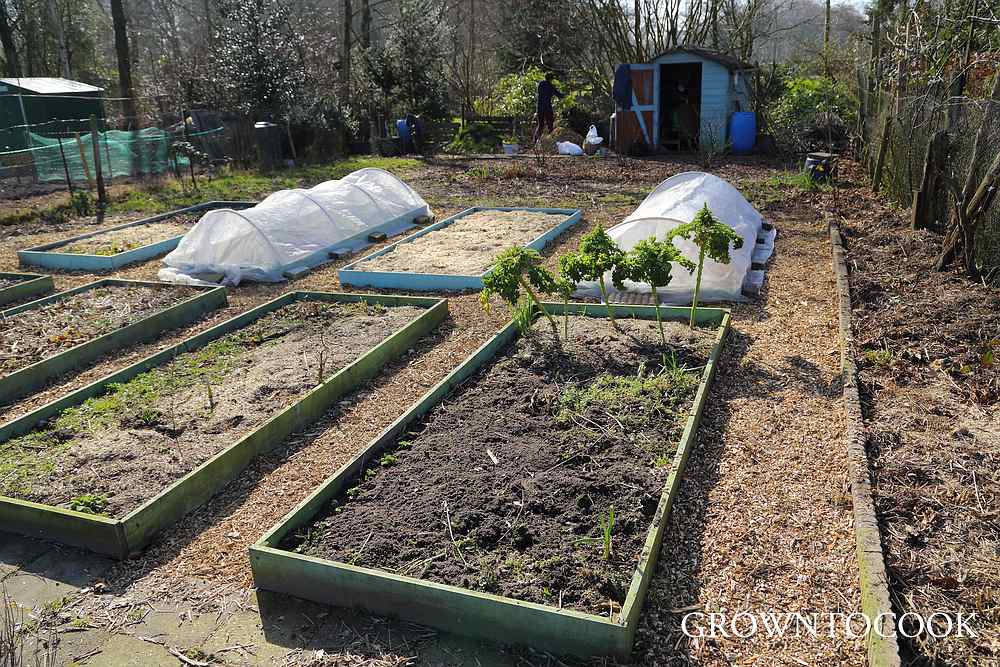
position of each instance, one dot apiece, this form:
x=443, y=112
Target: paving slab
x=55, y=574
x=126, y=651
x=174, y=628
x=17, y=552
x=71, y=647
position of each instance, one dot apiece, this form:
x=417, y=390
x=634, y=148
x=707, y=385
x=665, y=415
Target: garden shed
x=681, y=100
x=38, y=99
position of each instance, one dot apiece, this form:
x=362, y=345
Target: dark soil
x=38, y=333
x=129, y=444
x=575, y=431
x=926, y=347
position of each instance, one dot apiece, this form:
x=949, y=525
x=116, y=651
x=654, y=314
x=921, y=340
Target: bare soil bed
x=467, y=246
x=927, y=342
x=503, y=488
x=36, y=334
x=130, y=238
x=117, y=450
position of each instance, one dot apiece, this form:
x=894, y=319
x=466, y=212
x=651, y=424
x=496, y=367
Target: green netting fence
x=122, y=154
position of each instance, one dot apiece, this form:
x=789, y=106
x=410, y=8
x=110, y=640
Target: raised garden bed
x=43, y=339
x=114, y=247
x=484, y=514
x=458, y=252
x=20, y=287
x=110, y=465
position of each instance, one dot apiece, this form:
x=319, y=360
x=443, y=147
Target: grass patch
x=632, y=405
x=778, y=188
x=622, y=198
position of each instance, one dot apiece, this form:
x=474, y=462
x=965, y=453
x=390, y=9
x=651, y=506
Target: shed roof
x=43, y=85
x=721, y=58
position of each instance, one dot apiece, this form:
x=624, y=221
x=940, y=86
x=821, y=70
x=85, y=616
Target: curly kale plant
x=712, y=238
x=515, y=269
x=651, y=261
x=598, y=254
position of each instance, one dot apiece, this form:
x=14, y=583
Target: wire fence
x=903, y=129
x=59, y=141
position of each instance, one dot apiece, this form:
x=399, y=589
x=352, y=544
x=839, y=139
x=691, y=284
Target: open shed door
x=641, y=123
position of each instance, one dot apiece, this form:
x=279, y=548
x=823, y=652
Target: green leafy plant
x=515, y=269
x=89, y=504
x=607, y=530
x=565, y=288
x=597, y=254
x=82, y=203
x=712, y=238
x=523, y=313
x=651, y=261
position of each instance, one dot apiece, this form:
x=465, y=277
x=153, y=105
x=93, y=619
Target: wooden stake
x=69, y=181
x=880, y=160
x=83, y=159
x=95, y=138
x=924, y=198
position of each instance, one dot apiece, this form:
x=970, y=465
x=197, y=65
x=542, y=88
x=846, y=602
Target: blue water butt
x=742, y=131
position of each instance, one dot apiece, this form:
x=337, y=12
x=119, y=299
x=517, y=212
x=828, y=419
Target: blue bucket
x=743, y=131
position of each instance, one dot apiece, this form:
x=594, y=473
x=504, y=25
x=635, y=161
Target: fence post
x=925, y=197
x=83, y=160
x=95, y=138
x=880, y=160
x=69, y=181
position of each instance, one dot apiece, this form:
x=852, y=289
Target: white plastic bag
x=593, y=137
x=568, y=148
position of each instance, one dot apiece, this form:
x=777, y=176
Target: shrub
x=515, y=95
x=811, y=109
x=475, y=138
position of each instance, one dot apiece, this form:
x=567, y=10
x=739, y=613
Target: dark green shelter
x=52, y=106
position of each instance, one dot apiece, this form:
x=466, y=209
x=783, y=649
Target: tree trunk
x=13, y=65
x=366, y=24
x=638, y=32
x=826, y=40
x=345, y=59
x=124, y=59
x=57, y=30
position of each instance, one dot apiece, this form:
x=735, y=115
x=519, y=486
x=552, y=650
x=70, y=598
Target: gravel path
x=762, y=523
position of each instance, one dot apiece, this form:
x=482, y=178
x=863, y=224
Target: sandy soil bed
x=38, y=333
x=468, y=245
x=581, y=431
x=128, y=444
x=926, y=343
x=130, y=238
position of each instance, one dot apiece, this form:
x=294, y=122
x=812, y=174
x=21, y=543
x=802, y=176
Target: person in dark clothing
x=546, y=117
